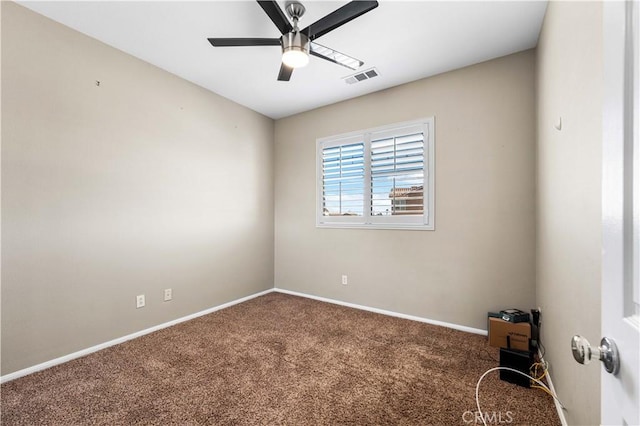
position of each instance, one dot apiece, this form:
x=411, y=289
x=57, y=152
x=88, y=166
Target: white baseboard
x=559, y=410
x=385, y=312
x=87, y=351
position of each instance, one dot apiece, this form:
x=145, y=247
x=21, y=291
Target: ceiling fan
x=297, y=44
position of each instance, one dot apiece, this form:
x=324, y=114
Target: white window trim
x=426, y=222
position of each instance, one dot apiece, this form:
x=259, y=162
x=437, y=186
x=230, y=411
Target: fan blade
x=285, y=73
x=234, y=42
x=276, y=14
x=334, y=56
x=338, y=17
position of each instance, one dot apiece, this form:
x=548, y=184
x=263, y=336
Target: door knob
x=607, y=352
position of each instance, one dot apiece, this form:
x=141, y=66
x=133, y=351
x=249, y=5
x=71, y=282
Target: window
x=378, y=178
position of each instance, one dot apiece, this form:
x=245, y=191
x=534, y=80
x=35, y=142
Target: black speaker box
x=518, y=360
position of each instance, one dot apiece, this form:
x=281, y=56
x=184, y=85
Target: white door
x=620, y=400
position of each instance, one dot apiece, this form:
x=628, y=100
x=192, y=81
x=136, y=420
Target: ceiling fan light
x=295, y=58
x=295, y=49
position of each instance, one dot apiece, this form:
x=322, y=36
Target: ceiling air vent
x=362, y=76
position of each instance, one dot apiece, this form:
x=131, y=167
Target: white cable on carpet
x=515, y=371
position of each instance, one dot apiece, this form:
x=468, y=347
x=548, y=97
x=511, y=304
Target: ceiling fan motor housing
x=295, y=40
x=295, y=49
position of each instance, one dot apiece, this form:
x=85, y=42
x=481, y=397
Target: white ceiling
x=404, y=40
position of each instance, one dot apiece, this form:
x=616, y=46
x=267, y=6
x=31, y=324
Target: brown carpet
x=279, y=359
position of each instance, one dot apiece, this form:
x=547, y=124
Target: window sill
x=382, y=226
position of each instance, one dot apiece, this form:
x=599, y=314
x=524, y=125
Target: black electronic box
x=515, y=315
x=516, y=360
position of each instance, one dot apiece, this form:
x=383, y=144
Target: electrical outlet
x=167, y=294
x=345, y=280
x=140, y=301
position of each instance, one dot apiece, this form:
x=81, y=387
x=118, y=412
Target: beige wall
x=569, y=79
x=148, y=182
x=481, y=255
x=142, y=183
